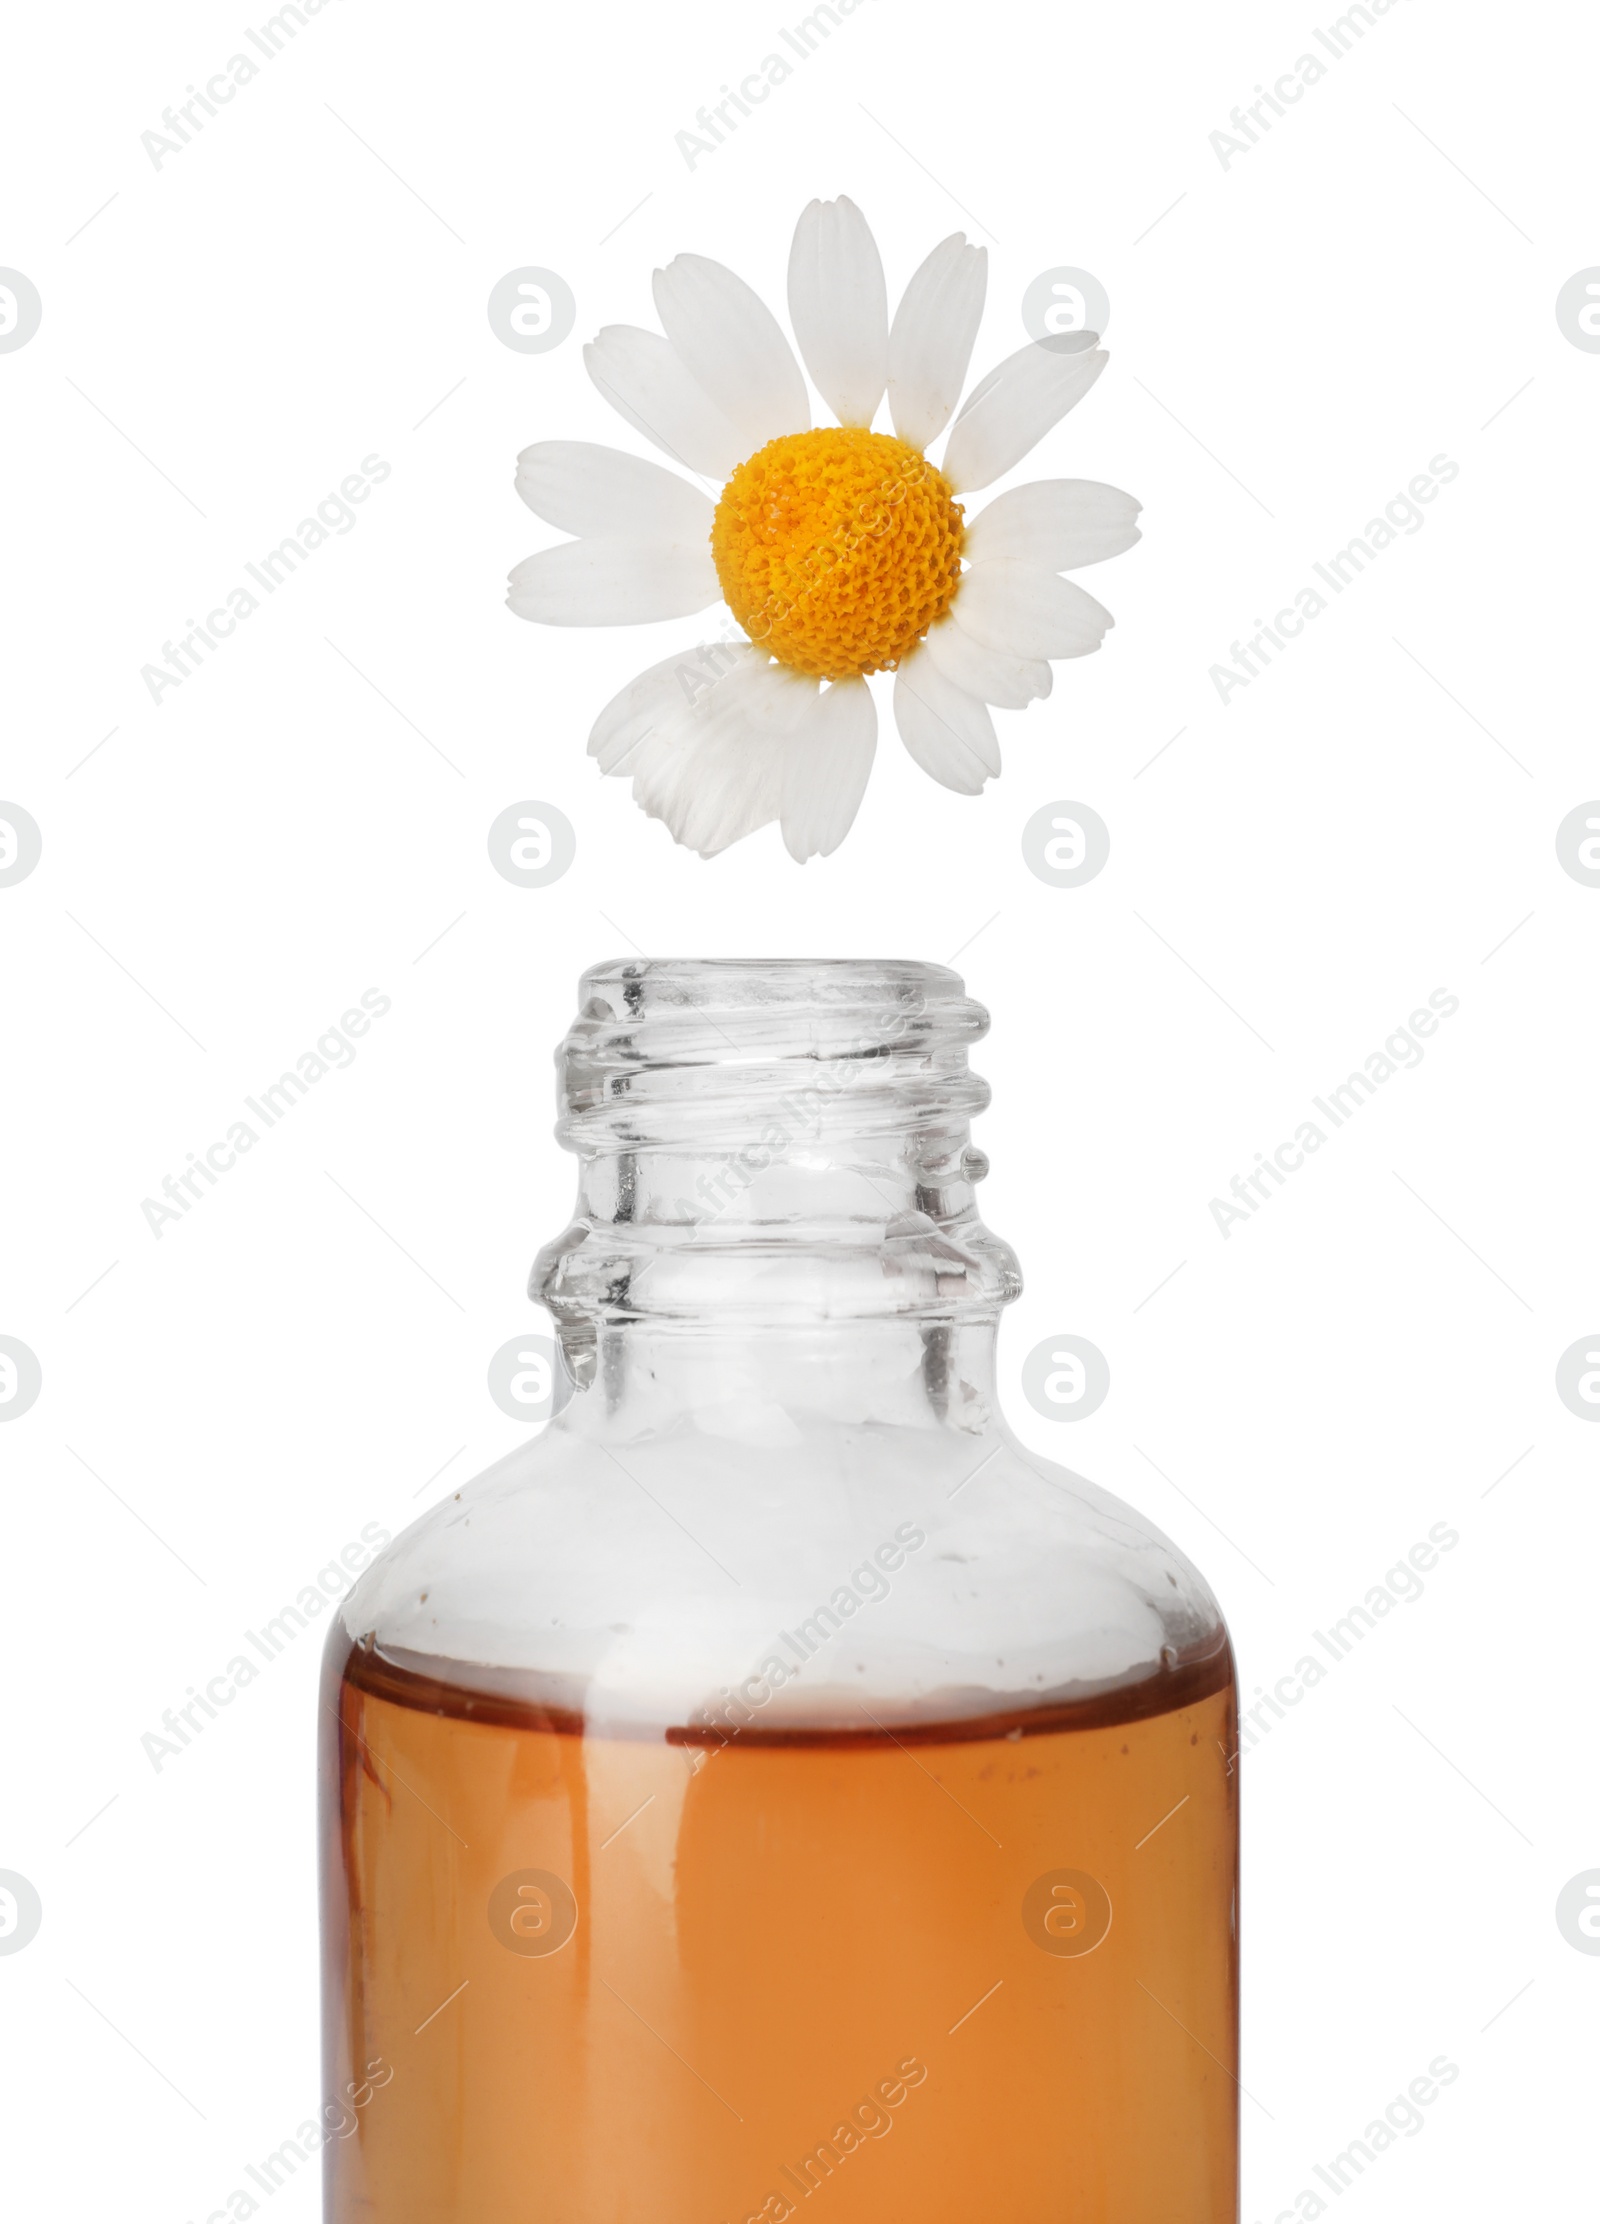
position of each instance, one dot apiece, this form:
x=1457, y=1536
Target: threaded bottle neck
x=693, y=1052
x=772, y=1144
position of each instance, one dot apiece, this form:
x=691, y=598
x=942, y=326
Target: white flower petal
x=948, y=732
x=732, y=345
x=656, y=704
x=720, y=774
x=709, y=795
x=645, y=382
x=829, y=757
x=1012, y=682
x=839, y=307
x=590, y=490
x=1025, y=611
x=930, y=342
x=1057, y=524
x=1015, y=406
x=613, y=582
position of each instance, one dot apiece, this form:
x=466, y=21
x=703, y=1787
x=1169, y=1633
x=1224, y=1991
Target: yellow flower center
x=837, y=549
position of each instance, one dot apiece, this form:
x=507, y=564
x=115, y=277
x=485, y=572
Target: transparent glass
x=774, y=1779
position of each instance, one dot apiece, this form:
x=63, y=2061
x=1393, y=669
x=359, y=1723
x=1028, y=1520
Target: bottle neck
x=772, y=1157
x=794, y=1230
x=768, y=1385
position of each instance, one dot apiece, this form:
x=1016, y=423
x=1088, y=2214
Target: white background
x=1293, y=337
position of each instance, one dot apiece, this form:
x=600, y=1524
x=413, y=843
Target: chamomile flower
x=839, y=551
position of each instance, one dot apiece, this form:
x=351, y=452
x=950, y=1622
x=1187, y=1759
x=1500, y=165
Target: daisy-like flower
x=840, y=551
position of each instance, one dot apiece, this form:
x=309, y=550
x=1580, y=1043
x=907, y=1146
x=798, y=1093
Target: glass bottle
x=774, y=1779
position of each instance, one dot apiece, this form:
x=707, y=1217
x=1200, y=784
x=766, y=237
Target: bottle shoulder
x=926, y=1571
